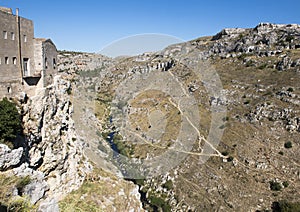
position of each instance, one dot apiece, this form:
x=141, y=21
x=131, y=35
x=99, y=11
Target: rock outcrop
x=53, y=147
x=9, y=158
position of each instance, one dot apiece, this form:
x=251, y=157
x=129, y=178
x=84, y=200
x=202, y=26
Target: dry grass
x=99, y=192
x=10, y=202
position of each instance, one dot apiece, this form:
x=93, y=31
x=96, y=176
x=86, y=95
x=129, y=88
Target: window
x=54, y=63
x=46, y=63
x=0, y=60
x=26, y=66
x=12, y=36
x=4, y=34
x=8, y=89
x=14, y=60
x=25, y=38
x=6, y=61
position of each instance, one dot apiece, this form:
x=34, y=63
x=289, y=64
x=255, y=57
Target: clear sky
x=90, y=25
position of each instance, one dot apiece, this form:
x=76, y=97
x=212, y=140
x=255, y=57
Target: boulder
x=8, y=157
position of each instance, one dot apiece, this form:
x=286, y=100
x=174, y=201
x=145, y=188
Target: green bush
x=285, y=206
x=168, y=185
x=288, y=145
x=10, y=122
x=285, y=184
x=230, y=158
x=225, y=153
x=275, y=186
x=159, y=203
x=246, y=102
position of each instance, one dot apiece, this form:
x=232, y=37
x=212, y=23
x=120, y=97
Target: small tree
x=10, y=122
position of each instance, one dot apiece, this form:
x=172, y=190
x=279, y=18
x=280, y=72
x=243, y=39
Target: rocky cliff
x=52, y=154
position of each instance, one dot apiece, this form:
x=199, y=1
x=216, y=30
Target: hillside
x=258, y=123
x=212, y=124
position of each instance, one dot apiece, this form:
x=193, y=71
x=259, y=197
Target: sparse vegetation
x=93, y=195
x=263, y=66
x=8, y=201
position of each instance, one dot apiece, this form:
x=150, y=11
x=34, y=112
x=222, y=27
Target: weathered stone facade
x=25, y=62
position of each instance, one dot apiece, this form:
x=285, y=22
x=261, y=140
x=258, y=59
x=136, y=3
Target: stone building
x=26, y=63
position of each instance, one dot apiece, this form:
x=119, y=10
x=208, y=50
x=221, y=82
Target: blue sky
x=90, y=25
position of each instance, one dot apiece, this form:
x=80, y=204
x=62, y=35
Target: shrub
x=230, y=158
x=275, y=186
x=285, y=184
x=168, y=185
x=289, y=38
x=247, y=102
x=290, y=89
x=285, y=206
x=10, y=122
x=288, y=144
x=159, y=203
x=225, y=153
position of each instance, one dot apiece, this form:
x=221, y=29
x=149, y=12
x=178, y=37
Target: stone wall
x=10, y=67
x=50, y=59
x=26, y=63
x=38, y=55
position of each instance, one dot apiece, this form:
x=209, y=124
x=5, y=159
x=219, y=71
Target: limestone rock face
x=8, y=157
x=52, y=142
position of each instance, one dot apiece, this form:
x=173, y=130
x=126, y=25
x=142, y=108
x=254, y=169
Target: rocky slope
x=234, y=95
x=251, y=73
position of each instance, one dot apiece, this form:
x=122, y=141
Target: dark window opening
x=46, y=63
x=25, y=38
x=6, y=61
x=25, y=66
x=54, y=63
x=14, y=60
x=8, y=89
